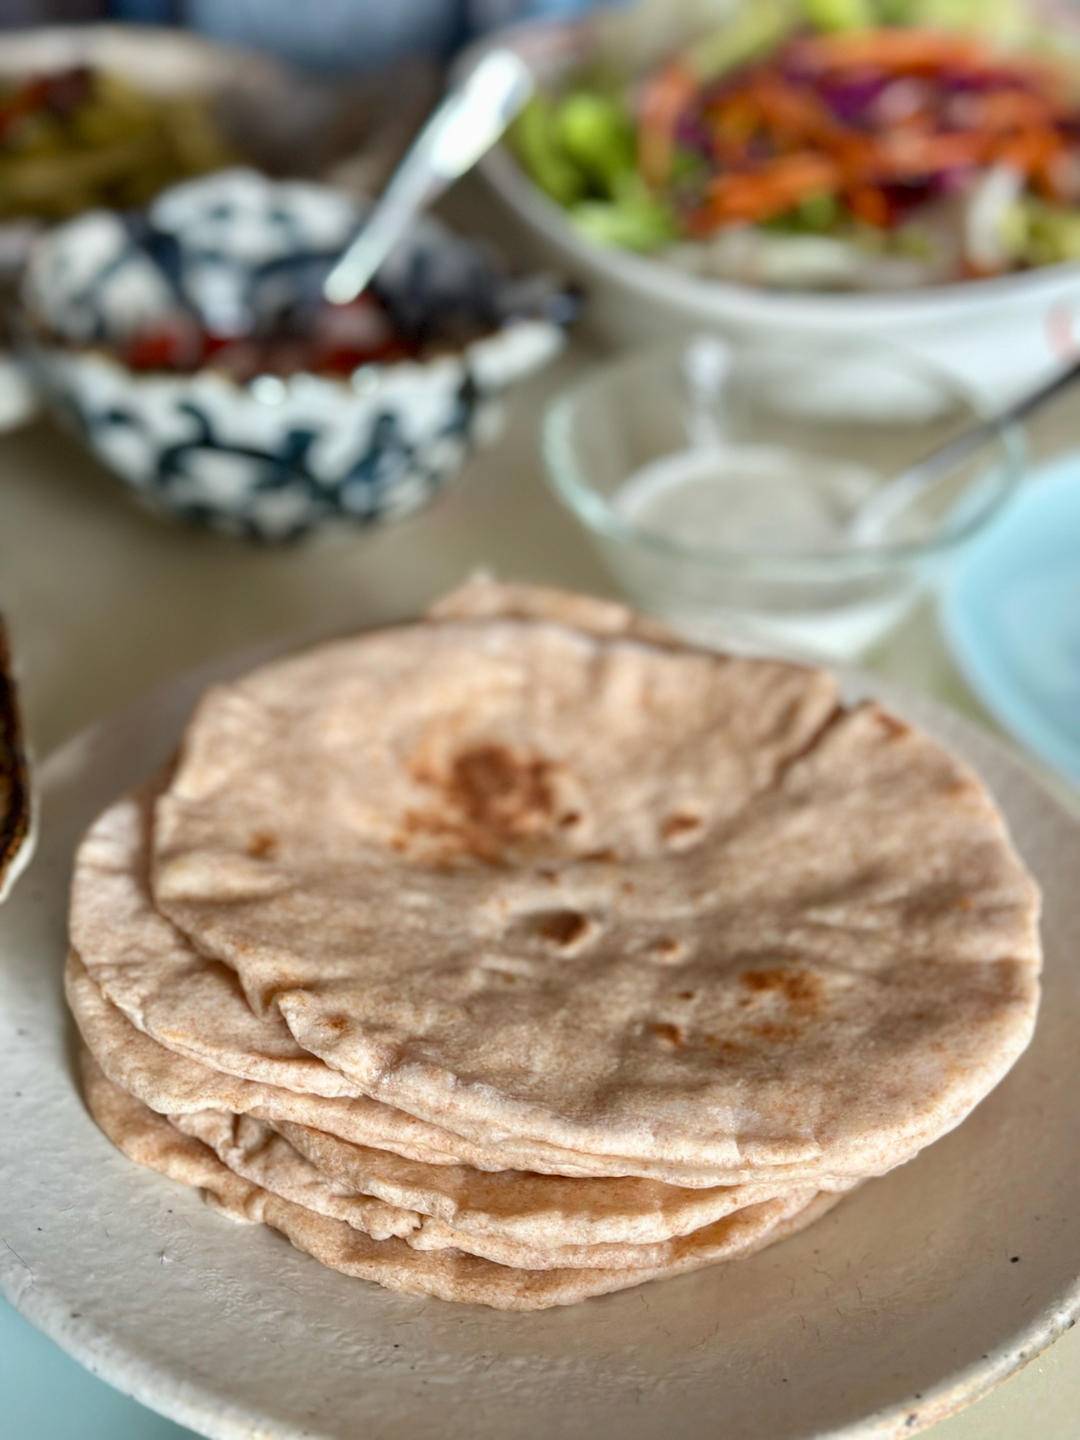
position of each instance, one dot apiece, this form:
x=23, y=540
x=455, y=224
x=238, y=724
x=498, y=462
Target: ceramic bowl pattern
x=273, y=457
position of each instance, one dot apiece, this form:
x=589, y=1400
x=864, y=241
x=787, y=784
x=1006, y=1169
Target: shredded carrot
x=790, y=112
x=895, y=49
x=776, y=137
x=1005, y=110
x=1029, y=151
x=769, y=192
x=869, y=204
x=664, y=98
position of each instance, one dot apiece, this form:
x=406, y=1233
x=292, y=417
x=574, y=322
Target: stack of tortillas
x=525, y=953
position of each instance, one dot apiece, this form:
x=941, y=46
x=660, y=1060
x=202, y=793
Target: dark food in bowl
x=337, y=341
x=293, y=330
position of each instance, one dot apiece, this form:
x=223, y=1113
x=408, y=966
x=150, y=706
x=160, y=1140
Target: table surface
x=105, y=602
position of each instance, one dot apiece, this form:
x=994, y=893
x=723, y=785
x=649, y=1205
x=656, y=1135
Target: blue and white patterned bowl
x=273, y=457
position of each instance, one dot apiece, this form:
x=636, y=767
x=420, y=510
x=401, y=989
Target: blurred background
x=744, y=318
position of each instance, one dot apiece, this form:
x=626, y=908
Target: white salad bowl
x=999, y=334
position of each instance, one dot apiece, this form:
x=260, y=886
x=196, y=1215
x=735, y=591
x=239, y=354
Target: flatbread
x=150, y=1140
x=195, y=1007
x=147, y=968
x=518, y=1206
x=253, y=1150
x=618, y=897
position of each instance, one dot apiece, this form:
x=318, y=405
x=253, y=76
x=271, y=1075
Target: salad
x=826, y=144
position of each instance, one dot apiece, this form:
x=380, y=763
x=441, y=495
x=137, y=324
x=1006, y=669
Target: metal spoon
x=865, y=523
x=461, y=129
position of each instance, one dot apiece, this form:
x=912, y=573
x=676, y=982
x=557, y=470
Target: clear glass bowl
x=717, y=485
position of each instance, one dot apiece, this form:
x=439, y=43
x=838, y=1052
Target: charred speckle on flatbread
x=680, y=827
x=262, y=845
x=800, y=988
x=894, y=729
x=563, y=928
x=664, y=1030
x=773, y=1033
x=491, y=797
x=722, y=1046
x=667, y=949
x=501, y=792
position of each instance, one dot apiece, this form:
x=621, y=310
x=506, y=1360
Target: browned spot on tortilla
x=337, y=1023
x=572, y=817
x=562, y=927
x=894, y=729
x=667, y=948
x=599, y=857
x=551, y=876
x=454, y=839
x=262, y=845
x=501, y=792
x=664, y=1030
x=680, y=825
x=491, y=797
x=963, y=902
x=800, y=988
x=776, y=1034
x=722, y=1047
x=961, y=786
x=686, y=995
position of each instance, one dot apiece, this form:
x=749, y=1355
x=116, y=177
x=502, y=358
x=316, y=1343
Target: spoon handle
x=461, y=129
x=906, y=487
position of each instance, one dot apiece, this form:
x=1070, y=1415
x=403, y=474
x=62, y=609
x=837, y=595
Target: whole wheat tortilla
x=517, y=1206
x=147, y=968
x=195, y=1007
x=251, y=1149
x=622, y=898
x=150, y=1140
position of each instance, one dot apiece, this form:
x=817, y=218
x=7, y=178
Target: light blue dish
x=1010, y=613
x=44, y=1394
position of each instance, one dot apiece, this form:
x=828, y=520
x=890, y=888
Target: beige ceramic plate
x=914, y=1296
